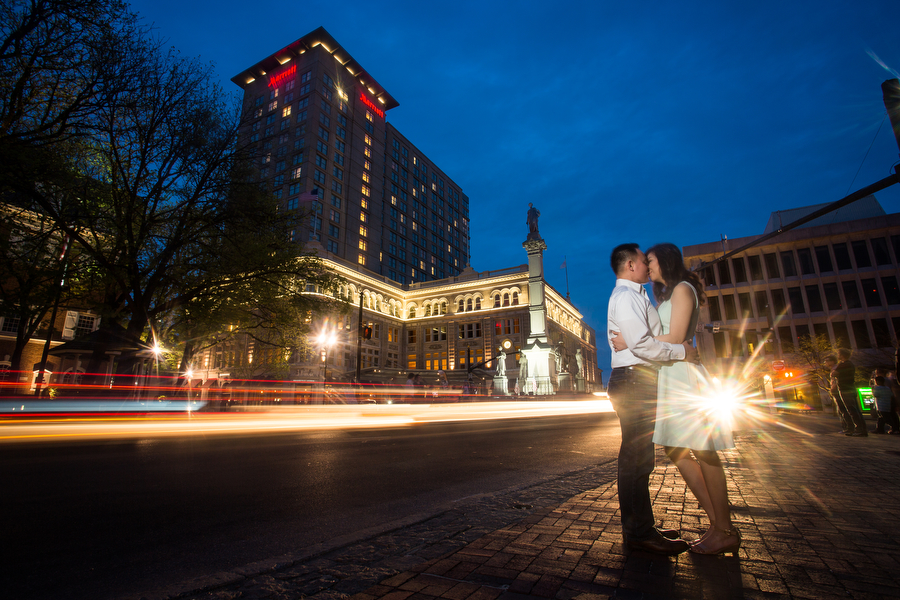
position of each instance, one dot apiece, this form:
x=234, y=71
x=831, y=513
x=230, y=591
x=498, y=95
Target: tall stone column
x=537, y=349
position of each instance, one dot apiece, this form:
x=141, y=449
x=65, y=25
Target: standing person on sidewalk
x=831, y=362
x=884, y=405
x=846, y=376
x=691, y=431
x=632, y=390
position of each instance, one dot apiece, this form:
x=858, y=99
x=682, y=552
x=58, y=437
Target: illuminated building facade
x=440, y=325
x=836, y=276
x=318, y=121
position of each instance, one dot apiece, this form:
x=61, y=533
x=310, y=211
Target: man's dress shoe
x=657, y=544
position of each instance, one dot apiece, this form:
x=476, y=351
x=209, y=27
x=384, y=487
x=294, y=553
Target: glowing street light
x=326, y=340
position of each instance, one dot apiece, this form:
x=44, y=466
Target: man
x=831, y=362
x=846, y=377
x=632, y=391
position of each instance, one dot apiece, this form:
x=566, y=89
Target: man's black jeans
x=632, y=391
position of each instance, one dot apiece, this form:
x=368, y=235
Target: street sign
x=778, y=365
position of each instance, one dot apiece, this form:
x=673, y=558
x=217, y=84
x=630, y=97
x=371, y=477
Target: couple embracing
x=656, y=389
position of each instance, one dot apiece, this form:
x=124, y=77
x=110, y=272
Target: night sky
x=675, y=123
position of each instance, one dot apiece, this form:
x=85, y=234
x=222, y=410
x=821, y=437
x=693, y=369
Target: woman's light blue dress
x=688, y=415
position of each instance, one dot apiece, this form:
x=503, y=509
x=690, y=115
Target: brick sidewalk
x=818, y=514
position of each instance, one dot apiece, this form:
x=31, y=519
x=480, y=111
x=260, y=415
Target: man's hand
x=690, y=353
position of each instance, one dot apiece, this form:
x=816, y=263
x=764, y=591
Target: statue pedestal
x=501, y=385
x=540, y=359
x=565, y=383
x=579, y=384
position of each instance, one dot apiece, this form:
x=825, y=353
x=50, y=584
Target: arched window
x=412, y=312
x=515, y=301
x=427, y=310
x=506, y=299
x=477, y=303
x=462, y=305
x=469, y=304
x=443, y=308
x=496, y=300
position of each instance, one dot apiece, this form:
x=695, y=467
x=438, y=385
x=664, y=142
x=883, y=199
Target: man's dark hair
x=621, y=254
x=844, y=353
x=830, y=358
x=879, y=380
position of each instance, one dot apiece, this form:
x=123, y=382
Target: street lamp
x=326, y=340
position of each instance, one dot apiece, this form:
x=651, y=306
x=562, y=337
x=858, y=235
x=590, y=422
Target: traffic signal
x=367, y=333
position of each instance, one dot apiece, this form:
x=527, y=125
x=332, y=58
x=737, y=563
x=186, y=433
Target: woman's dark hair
x=671, y=267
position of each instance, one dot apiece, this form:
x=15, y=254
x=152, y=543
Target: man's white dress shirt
x=634, y=317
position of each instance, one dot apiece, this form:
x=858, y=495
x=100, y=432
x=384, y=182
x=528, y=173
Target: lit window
x=295, y=173
x=365, y=190
x=362, y=231
x=273, y=105
x=362, y=217
x=364, y=203
x=365, y=177
x=369, y=116
x=363, y=245
x=368, y=152
x=367, y=165
x=368, y=140
x=362, y=259
x=286, y=112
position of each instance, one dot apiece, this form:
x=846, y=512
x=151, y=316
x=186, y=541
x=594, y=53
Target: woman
x=690, y=432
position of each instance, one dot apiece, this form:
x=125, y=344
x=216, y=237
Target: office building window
x=798, y=307
x=891, y=293
x=762, y=305
x=861, y=333
x=730, y=310
x=787, y=264
x=882, y=334
x=841, y=335
x=779, y=307
x=832, y=296
x=880, y=249
x=851, y=294
x=740, y=271
x=870, y=292
x=719, y=344
x=824, y=259
x=715, y=312
x=746, y=307
x=724, y=273
x=814, y=298
x=786, y=338
x=806, y=262
x=332, y=246
x=756, y=272
x=772, y=266
x=861, y=254
x=842, y=256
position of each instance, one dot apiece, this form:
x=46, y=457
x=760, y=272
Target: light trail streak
x=282, y=419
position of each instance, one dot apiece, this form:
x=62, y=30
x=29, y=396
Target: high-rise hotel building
x=319, y=120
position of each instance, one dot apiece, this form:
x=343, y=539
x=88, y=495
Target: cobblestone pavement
x=818, y=513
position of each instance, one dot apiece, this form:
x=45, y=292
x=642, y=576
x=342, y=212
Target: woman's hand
x=618, y=342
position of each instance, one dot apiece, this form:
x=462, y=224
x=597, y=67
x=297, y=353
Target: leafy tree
x=812, y=352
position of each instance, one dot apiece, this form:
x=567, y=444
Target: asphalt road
x=106, y=519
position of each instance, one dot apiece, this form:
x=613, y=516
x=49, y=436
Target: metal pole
x=359, y=331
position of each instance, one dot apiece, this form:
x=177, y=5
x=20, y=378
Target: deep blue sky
x=680, y=122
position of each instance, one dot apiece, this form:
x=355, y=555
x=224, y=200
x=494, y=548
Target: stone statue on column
x=501, y=364
x=579, y=360
x=532, y=222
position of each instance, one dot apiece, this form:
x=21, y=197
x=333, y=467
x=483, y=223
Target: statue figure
x=532, y=220
x=579, y=360
x=523, y=366
x=501, y=364
x=559, y=353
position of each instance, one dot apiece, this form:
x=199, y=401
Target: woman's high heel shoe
x=730, y=547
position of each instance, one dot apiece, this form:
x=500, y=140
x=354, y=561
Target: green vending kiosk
x=866, y=400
